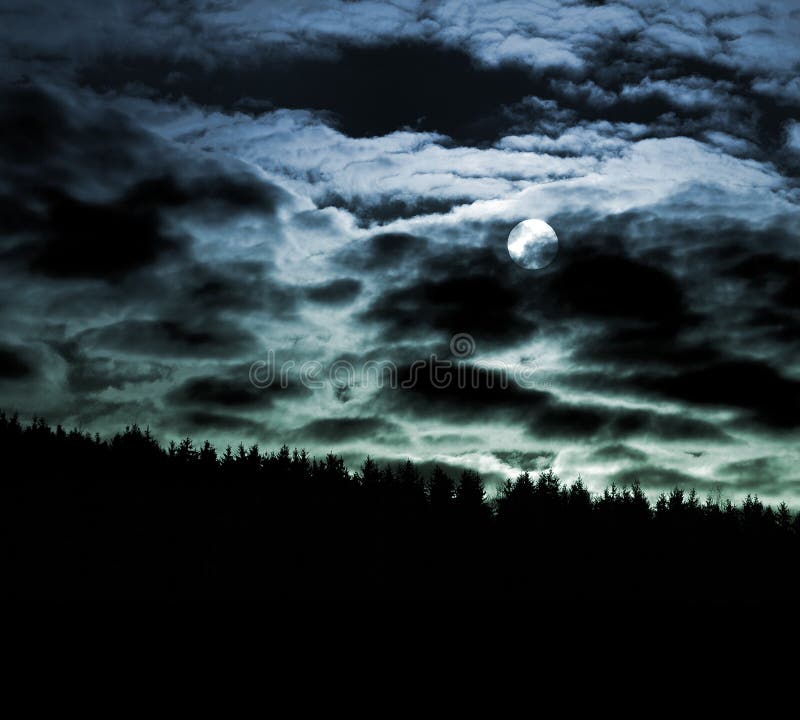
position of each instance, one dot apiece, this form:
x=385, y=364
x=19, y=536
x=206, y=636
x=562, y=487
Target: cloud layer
x=187, y=188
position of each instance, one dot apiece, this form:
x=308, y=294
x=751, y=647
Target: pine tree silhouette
x=135, y=523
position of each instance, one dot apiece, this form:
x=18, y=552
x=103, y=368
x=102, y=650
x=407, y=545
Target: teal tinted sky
x=189, y=188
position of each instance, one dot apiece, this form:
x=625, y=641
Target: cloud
x=619, y=287
x=449, y=306
x=619, y=451
x=212, y=391
x=602, y=423
x=92, y=374
x=769, y=475
x=202, y=182
x=234, y=285
x=338, y=430
x=335, y=292
x=549, y=163
x=14, y=364
x=526, y=461
x=98, y=240
x=202, y=421
x=390, y=251
x=171, y=338
x=410, y=85
x=754, y=386
x=490, y=396
x=660, y=479
x=379, y=209
x=793, y=137
x=84, y=210
x=636, y=316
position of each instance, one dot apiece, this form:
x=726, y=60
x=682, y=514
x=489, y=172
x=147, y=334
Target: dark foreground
x=125, y=524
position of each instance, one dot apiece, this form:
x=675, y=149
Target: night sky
x=188, y=188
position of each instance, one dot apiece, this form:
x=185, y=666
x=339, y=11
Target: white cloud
x=650, y=172
x=793, y=137
x=315, y=160
x=691, y=93
x=746, y=34
x=599, y=139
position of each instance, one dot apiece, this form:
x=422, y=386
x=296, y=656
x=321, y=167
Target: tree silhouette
x=132, y=522
x=441, y=491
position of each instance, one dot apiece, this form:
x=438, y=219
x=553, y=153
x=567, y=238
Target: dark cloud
x=526, y=461
x=92, y=374
x=469, y=304
x=767, y=475
x=757, y=388
x=619, y=451
x=639, y=306
x=172, y=338
x=51, y=153
x=384, y=251
x=761, y=391
x=230, y=388
x=491, y=395
x=760, y=470
x=87, y=195
x=335, y=292
x=603, y=423
x=370, y=210
x=763, y=267
x=230, y=286
x=209, y=195
x=32, y=126
x=48, y=141
x=14, y=363
x=631, y=347
x=773, y=273
x=790, y=296
x=619, y=287
x=216, y=391
x=660, y=330
x=411, y=85
x=659, y=479
x=778, y=328
x=82, y=239
x=428, y=86
x=747, y=384
x=632, y=313
x=462, y=290
x=341, y=430
x=203, y=421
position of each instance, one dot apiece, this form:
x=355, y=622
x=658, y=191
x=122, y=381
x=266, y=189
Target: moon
x=533, y=244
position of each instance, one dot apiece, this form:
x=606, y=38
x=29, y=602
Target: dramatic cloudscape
x=189, y=188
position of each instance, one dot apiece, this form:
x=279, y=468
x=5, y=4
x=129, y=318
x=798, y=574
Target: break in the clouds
x=189, y=188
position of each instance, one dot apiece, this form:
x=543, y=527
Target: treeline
x=125, y=520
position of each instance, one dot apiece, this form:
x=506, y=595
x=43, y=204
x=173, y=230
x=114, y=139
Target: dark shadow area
x=368, y=91
x=123, y=524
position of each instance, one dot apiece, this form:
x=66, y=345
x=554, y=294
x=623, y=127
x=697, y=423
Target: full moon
x=533, y=244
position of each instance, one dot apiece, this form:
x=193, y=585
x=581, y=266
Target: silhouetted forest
x=126, y=522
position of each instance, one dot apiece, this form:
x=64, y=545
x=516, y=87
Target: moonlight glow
x=533, y=244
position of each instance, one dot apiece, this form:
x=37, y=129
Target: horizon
x=494, y=487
